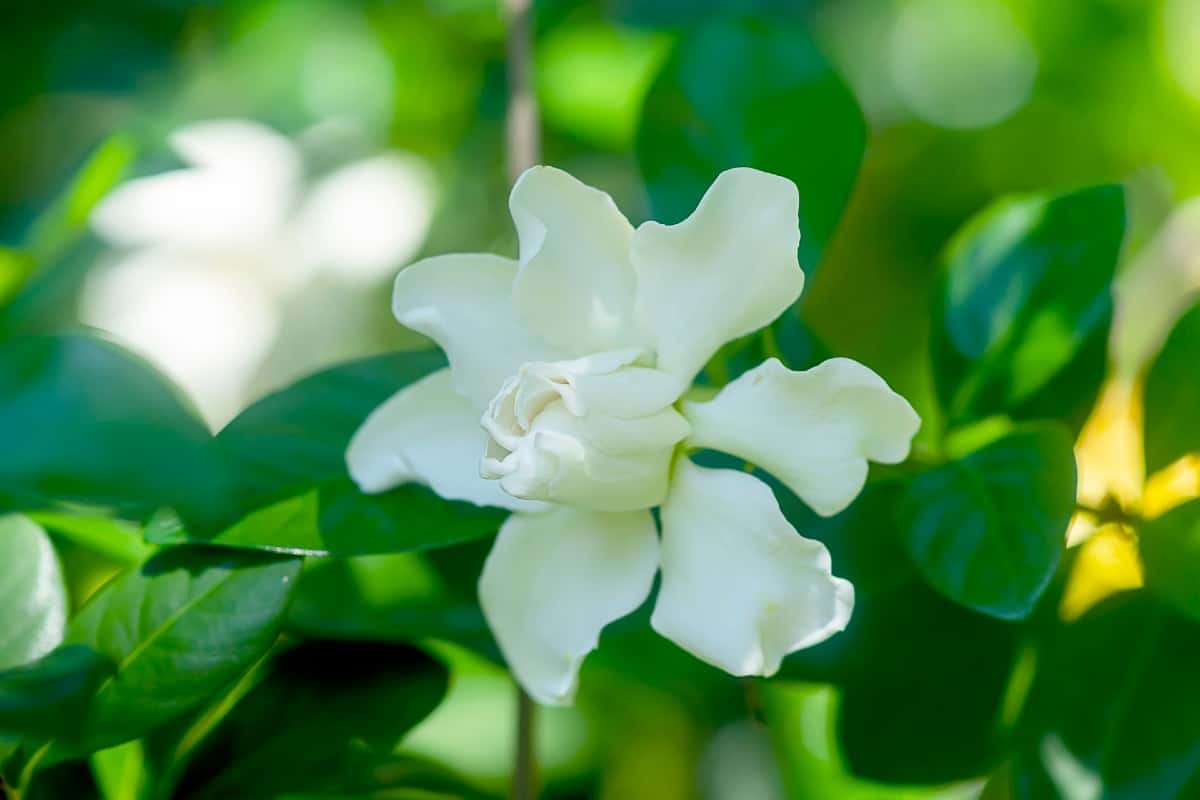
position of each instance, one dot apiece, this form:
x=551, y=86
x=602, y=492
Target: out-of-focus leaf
x=85, y=421
x=1024, y=307
x=988, y=530
x=1172, y=399
x=750, y=93
x=15, y=267
x=923, y=680
x=1112, y=713
x=45, y=698
x=399, y=597
x=33, y=600
x=113, y=538
x=179, y=628
x=1170, y=548
x=337, y=519
x=324, y=710
x=120, y=771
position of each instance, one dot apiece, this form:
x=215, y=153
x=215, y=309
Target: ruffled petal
x=576, y=284
x=740, y=588
x=553, y=581
x=814, y=430
x=429, y=434
x=725, y=271
x=463, y=302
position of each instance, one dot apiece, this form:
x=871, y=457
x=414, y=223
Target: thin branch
x=522, y=150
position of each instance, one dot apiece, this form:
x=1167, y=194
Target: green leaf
x=179, y=628
x=757, y=94
x=1172, y=398
x=988, y=530
x=923, y=680
x=46, y=698
x=1170, y=548
x=286, y=457
x=1024, y=307
x=337, y=519
x=295, y=438
x=120, y=771
x=324, y=708
x=113, y=538
x=32, y=596
x=1112, y=713
x=85, y=421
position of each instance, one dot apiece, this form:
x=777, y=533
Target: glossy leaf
x=45, y=698
x=1112, y=713
x=319, y=707
x=286, y=457
x=988, y=529
x=337, y=519
x=922, y=679
x=179, y=628
x=1172, y=396
x=749, y=93
x=1024, y=307
x=1170, y=549
x=33, y=600
x=84, y=420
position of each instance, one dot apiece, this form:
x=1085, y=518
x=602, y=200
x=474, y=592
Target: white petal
x=237, y=195
x=740, y=588
x=554, y=580
x=814, y=430
x=576, y=285
x=430, y=434
x=463, y=302
x=725, y=271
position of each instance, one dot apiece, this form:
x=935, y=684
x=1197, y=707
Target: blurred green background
x=381, y=125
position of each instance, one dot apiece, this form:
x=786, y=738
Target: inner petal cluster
x=596, y=432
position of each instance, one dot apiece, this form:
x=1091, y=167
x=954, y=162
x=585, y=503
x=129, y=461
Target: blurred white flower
x=576, y=359
x=210, y=255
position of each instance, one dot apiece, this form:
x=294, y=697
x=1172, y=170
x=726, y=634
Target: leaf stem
x=522, y=150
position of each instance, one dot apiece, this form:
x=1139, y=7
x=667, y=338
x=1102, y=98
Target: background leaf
x=1170, y=549
x=1112, y=713
x=748, y=93
x=179, y=628
x=988, y=529
x=322, y=707
x=1025, y=304
x=33, y=600
x=85, y=421
x=1172, y=398
x=46, y=698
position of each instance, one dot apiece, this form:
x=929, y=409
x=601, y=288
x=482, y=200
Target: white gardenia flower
x=565, y=402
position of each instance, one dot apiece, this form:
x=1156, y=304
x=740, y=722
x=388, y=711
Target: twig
x=522, y=150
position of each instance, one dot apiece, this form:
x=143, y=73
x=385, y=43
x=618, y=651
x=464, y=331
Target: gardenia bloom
x=565, y=402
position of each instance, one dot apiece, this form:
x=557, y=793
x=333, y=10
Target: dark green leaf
x=1172, y=399
x=1170, y=548
x=1025, y=305
x=324, y=707
x=337, y=519
x=85, y=421
x=179, y=628
x=33, y=600
x=46, y=697
x=1112, y=713
x=749, y=93
x=988, y=529
x=296, y=438
x=923, y=680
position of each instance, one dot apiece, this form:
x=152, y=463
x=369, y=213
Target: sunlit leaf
x=179, y=628
x=1025, y=304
